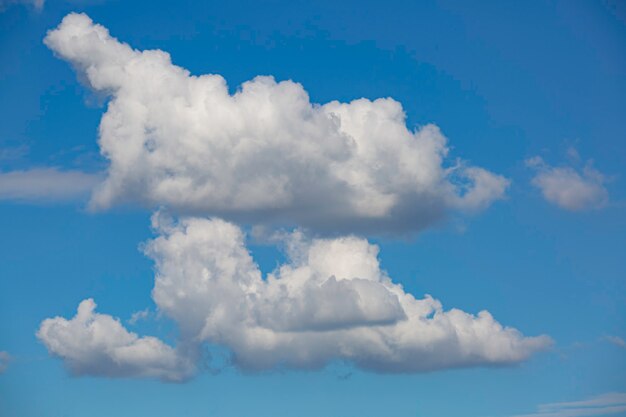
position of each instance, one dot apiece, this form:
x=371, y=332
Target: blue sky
x=531, y=93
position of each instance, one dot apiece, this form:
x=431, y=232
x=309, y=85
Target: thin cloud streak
x=601, y=405
x=5, y=358
x=617, y=341
x=46, y=185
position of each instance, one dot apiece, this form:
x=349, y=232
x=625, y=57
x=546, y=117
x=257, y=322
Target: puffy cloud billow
x=569, y=188
x=329, y=301
x=98, y=344
x=264, y=154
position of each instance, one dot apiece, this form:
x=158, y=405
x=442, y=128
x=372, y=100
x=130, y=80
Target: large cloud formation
x=330, y=300
x=265, y=154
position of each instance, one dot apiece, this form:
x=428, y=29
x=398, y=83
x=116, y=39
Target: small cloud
x=46, y=185
x=616, y=340
x=139, y=316
x=601, y=405
x=98, y=344
x=570, y=188
x=572, y=154
x=5, y=358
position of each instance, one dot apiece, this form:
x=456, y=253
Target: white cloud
x=138, y=316
x=568, y=188
x=5, y=358
x=98, y=344
x=265, y=154
x=45, y=185
x=329, y=301
x=601, y=405
x=617, y=341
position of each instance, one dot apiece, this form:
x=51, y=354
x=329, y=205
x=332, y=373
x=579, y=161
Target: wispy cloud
x=40, y=185
x=616, y=340
x=138, y=316
x=37, y=4
x=13, y=153
x=601, y=405
x=5, y=358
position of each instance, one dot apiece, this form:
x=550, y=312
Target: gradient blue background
x=504, y=81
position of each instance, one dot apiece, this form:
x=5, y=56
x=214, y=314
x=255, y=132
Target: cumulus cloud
x=5, y=358
x=267, y=155
x=45, y=185
x=601, y=405
x=568, y=188
x=98, y=344
x=264, y=154
x=330, y=301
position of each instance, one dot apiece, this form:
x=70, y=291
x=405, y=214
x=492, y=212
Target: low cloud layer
x=569, y=188
x=329, y=301
x=601, y=405
x=98, y=344
x=46, y=185
x=265, y=154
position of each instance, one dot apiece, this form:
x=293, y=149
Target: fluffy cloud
x=5, y=358
x=45, y=185
x=265, y=154
x=330, y=300
x=97, y=344
x=568, y=188
x=601, y=405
